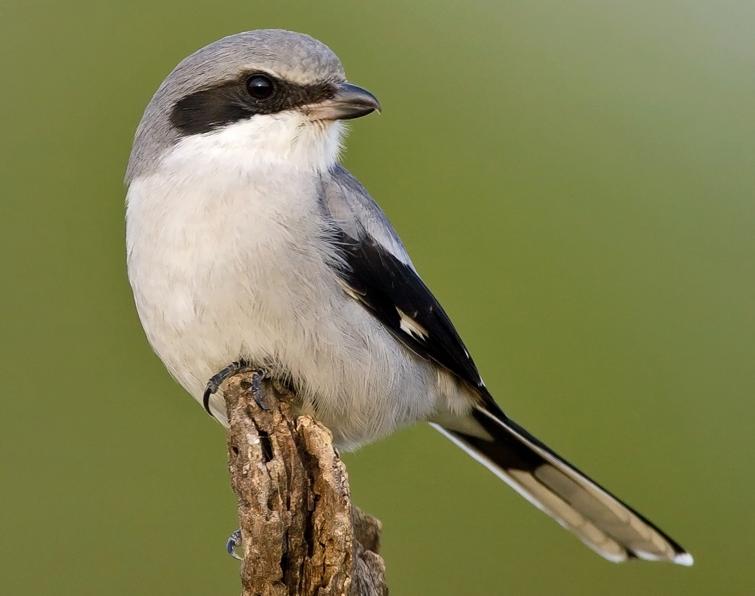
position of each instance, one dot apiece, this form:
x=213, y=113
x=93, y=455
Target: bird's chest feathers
x=210, y=249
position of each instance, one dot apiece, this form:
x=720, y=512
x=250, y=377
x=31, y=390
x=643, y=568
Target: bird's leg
x=233, y=543
x=256, y=387
x=260, y=374
x=217, y=380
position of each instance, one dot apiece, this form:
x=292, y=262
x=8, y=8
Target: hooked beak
x=348, y=102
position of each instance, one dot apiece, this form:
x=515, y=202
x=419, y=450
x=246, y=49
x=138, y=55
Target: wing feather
x=375, y=270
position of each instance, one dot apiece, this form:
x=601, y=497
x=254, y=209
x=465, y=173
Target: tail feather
x=605, y=524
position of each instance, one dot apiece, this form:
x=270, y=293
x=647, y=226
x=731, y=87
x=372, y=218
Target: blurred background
x=576, y=182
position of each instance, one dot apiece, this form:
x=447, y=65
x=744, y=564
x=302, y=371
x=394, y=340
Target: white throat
x=288, y=140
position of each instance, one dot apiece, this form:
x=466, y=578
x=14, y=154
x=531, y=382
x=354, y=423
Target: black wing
x=393, y=292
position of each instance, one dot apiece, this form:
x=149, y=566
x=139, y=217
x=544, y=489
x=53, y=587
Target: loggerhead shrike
x=248, y=242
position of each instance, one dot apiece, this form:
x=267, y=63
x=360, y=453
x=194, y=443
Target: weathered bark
x=300, y=533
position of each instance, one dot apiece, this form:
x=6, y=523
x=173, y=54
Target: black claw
x=217, y=380
x=234, y=541
x=206, y=398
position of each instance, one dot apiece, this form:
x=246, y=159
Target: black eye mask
x=231, y=101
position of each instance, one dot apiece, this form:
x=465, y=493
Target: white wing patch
x=407, y=324
x=411, y=327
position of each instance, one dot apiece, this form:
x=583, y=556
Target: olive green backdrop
x=576, y=182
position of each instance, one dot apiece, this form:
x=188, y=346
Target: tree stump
x=300, y=533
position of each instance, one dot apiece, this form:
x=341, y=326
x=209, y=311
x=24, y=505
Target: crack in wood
x=300, y=532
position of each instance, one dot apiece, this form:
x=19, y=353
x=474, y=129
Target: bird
x=248, y=242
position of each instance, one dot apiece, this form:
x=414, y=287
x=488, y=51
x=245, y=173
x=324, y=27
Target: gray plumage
x=247, y=240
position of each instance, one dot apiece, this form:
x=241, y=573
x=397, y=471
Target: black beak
x=348, y=102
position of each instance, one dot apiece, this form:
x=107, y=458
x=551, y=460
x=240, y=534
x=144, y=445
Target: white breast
x=227, y=260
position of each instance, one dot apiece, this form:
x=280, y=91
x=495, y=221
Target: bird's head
x=265, y=96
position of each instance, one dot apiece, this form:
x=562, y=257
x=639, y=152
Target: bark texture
x=300, y=533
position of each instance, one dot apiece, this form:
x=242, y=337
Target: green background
x=576, y=182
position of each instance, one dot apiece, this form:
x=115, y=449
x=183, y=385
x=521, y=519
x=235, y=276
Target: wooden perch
x=300, y=533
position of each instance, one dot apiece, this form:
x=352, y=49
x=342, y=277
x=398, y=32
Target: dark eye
x=260, y=86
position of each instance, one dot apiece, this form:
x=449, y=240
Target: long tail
x=605, y=524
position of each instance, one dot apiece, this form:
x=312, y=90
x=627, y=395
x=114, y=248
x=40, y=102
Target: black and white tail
x=605, y=524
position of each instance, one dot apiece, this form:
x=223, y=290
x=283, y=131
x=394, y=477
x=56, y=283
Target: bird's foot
x=256, y=387
x=217, y=380
x=233, y=543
